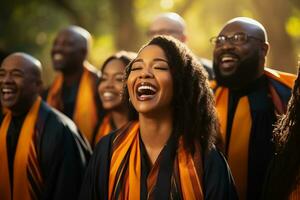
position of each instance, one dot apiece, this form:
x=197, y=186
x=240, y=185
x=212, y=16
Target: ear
x=265, y=48
x=40, y=86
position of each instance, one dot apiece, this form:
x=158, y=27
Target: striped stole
x=26, y=165
x=295, y=195
x=85, y=113
x=103, y=130
x=241, y=127
x=125, y=169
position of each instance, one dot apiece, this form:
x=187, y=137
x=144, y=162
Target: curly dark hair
x=284, y=170
x=193, y=102
x=125, y=56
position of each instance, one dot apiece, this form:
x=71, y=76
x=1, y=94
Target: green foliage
x=31, y=25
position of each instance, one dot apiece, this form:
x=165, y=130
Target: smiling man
x=74, y=91
x=248, y=98
x=174, y=25
x=42, y=154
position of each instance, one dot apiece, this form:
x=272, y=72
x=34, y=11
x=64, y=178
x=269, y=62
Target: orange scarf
x=126, y=152
x=25, y=160
x=103, y=130
x=295, y=195
x=241, y=127
x=85, y=112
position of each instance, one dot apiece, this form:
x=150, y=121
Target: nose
x=109, y=83
x=227, y=45
x=146, y=73
x=56, y=47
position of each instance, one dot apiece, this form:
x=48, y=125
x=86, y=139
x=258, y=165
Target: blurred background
x=31, y=25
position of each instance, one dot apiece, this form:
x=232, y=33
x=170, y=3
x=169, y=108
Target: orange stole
x=25, y=158
x=295, y=195
x=103, y=130
x=191, y=183
x=241, y=127
x=85, y=111
x=238, y=147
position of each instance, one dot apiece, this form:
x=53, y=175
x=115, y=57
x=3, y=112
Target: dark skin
x=69, y=53
x=257, y=46
x=20, y=82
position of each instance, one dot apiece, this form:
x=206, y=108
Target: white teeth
x=108, y=94
x=6, y=90
x=228, y=58
x=146, y=87
x=58, y=56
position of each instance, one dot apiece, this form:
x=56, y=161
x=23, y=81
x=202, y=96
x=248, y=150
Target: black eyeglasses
x=236, y=39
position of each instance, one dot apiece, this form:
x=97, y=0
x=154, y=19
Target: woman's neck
x=119, y=118
x=155, y=132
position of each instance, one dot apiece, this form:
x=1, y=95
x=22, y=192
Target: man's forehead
x=250, y=27
x=17, y=62
x=237, y=27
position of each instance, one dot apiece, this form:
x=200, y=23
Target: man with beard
x=42, y=154
x=172, y=24
x=74, y=91
x=248, y=99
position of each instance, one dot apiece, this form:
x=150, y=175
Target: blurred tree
x=121, y=24
x=282, y=54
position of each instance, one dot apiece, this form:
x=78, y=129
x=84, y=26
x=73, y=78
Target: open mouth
x=145, y=91
x=228, y=58
x=228, y=61
x=8, y=93
x=58, y=56
x=108, y=95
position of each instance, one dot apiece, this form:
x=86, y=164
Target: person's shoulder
x=60, y=118
x=92, y=70
x=60, y=128
x=102, y=149
x=105, y=141
x=218, y=180
x=213, y=156
x=59, y=124
x=280, y=78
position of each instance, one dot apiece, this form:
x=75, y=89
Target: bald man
x=174, y=25
x=74, y=90
x=42, y=154
x=249, y=96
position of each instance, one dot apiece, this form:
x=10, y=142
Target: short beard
x=246, y=72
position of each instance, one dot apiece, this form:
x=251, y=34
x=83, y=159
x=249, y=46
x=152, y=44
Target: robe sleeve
x=95, y=184
x=63, y=158
x=218, y=181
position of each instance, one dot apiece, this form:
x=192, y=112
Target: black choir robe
x=218, y=182
x=62, y=153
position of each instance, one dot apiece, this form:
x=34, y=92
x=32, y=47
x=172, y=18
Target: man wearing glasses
x=174, y=25
x=249, y=96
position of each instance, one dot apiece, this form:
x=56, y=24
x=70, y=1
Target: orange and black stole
x=185, y=181
x=25, y=165
x=85, y=113
x=238, y=148
x=103, y=130
x=295, y=195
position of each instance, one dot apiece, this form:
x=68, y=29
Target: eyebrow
x=155, y=59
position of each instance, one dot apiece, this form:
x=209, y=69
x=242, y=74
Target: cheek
x=100, y=87
x=130, y=83
x=167, y=83
x=119, y=86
